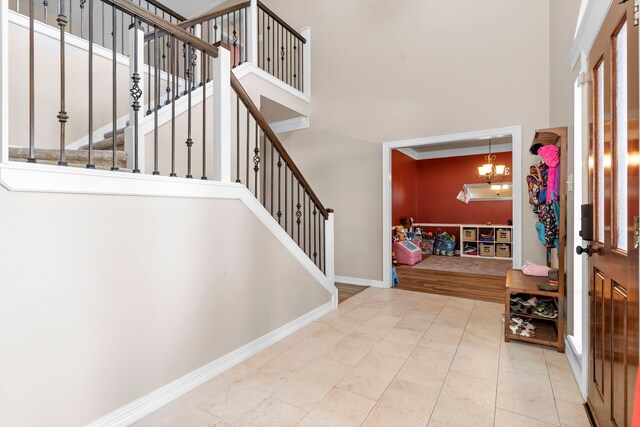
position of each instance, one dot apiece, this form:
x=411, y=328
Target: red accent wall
x=440, y=180
x=403, y=186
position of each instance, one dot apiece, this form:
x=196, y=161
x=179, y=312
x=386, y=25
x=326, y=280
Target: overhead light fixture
x=489, y=172
x=496, y=188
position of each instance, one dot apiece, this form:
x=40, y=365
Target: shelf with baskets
x=486, y=241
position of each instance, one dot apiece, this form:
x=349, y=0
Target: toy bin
x=407, y=252
x=445, y=247
x=427, y=246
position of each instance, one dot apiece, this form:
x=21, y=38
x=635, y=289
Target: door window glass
x=620, y=141
x=599, y=175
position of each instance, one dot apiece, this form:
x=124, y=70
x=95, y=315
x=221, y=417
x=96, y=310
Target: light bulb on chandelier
x=489, y=172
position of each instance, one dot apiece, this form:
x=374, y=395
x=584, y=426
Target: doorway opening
x=435, y=181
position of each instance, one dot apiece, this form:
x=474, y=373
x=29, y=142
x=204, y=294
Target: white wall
x=127, y=294
x=384, y=71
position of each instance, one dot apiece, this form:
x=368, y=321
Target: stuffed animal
x=400, y=233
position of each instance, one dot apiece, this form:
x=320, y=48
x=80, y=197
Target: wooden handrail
x=200, y=19
x=166, y=9
x=164, y=26
x=211, y=15
x=264, y=125
x=281, y=22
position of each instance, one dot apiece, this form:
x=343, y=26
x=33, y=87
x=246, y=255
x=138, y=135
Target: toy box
x=407, y=252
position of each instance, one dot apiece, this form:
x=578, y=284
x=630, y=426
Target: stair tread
x=106, y=144
x=101, y=159
x=108, y=135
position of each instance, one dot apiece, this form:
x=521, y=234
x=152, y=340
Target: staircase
x=174, y=69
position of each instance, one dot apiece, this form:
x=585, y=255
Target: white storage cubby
x=499, y=247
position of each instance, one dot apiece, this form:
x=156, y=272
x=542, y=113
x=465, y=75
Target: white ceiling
x=469, y=147
x=192, y=8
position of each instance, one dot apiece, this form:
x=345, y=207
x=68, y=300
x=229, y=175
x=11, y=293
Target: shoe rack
x=548, y=332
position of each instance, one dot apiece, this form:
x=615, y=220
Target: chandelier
x=489, y=172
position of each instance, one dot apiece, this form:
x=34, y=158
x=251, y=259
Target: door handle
x=589, y=250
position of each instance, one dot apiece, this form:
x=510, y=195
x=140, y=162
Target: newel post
x=4, y=81
x=133, y=138
x=252, y=36
x=329, y=239
x=222, y=116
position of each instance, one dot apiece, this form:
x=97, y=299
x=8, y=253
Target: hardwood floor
x=463, y=285
x=347, y=291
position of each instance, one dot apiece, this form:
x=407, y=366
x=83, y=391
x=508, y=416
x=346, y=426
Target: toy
x=400, y=233
x=407, y=253
x=445, y=244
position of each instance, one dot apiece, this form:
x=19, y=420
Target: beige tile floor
x=388, y=357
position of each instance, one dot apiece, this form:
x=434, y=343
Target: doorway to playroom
x=471, y=226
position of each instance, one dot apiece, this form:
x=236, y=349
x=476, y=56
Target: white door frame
x=516, y=156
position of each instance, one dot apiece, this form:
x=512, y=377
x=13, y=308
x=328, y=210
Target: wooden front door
x=613, y=186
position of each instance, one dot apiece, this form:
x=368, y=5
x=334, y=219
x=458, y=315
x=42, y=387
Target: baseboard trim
x=575, y=363
x=359, y=281
x=147, y=404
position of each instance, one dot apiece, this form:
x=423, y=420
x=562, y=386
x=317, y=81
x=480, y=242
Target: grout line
x=529, y=418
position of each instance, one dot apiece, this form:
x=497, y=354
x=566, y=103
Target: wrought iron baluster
x=189, y=141
x=279, y=185
x=156, y=95
x=268, y=67
x=175, y=43
x=271, y=205
x=247, y=149
x=292, y=231
x=264, y=169
x=209, y=42
x=114, y=89
x=82, y=4
x=204, y=64
x=165, y=68
x=122, y=32
x=238, y=139
x=315, y=235
x=148, y=77
x=298, y=215
x=282, y=54
x=235, y=40
x=136, y=93
x=45, y=4
x=264, y=37
x=174, y=78
x=184, y=56
x=286, y=201
x=256, y=166
x=32, y=123
x=297, y=63
x=194, y=60
x=168, y=64
x=322, y=244
x=102, y=3
x=90, y=164
x=63, y=117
